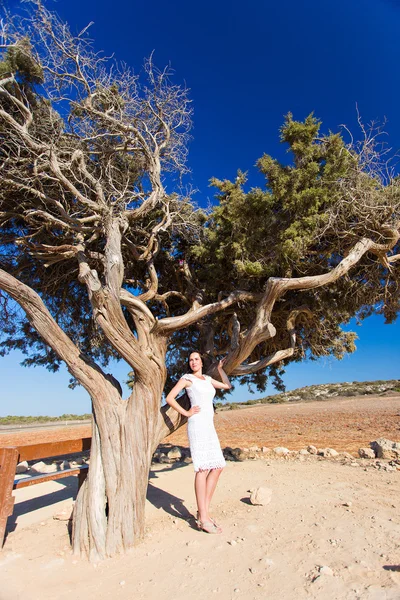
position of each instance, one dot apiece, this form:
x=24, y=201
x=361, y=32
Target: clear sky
x=247, y=64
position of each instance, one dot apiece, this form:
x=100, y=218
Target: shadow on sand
x=159, y=498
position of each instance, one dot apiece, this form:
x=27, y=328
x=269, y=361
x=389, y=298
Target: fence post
x=8, y=464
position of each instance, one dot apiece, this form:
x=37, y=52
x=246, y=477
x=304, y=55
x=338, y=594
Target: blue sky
x=246, y=66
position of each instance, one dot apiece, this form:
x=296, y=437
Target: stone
x=265, y=450
x=386, y=449
x=164, y=459
x=232, y=543
x=41, y=467
x=281, y=451
x=64, y=465
x=312, y=449
x=328, y=453
x=63, y=515
x=261, y=496
x=22, y=467
x=325, y=571
x=174, y=453
x=240, y=454
x=347, y=455
x=254, y=449
x=366, y=453
x=304, y=452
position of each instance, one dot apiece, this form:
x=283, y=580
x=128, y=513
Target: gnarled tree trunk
x=109, y=513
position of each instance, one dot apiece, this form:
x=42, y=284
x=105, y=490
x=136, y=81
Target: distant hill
x=20, y=420
x=324, y=391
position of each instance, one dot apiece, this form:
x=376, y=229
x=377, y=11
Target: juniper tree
x=104, y=263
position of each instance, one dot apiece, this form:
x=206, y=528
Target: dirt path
x=345, y=424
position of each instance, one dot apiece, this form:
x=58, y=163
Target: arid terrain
x=344, y=424
x=330, y=531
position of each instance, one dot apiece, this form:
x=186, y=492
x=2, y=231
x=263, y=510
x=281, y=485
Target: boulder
x=41, y=467
x=312, y=449
x=261, y=496
x=22, y=467
x=174, y=453
x=386, y=449
x=281, y=451
x=241, y=454
x=164, y=459
x=328, y=453
x=366, y=453
x=156, y=456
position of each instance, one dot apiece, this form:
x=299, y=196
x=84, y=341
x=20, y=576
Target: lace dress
x=204, y=443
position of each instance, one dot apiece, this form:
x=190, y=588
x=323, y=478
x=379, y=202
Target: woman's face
x=195, y=362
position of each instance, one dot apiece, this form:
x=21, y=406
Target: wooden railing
x=11, y=456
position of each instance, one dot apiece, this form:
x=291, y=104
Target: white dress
x=204, y=443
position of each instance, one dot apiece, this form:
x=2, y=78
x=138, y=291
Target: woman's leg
x=211, y=484
x=200, y=488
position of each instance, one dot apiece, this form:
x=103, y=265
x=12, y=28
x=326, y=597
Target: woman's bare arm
x=225, y=384
x=170, y=399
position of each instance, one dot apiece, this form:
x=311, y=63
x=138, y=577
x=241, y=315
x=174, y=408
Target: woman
x=208, y=460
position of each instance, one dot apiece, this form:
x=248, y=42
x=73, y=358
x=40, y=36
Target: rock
x=164, y=459
x=188, y=460
x=366, y=453
x=174, y=453
x=347, y=455
x=64, y=465
x=312, y=449
x=63, y=515
x=22, y=467
x=387, y=449
x=265, y=450
x=261, y=496
x=156, y=456
x=241, y=454
x=254, y=449
x=348, y=504
x=232, y=543
x=325, y=571
x=304, y=452
x=41, y=467
x=328, y=453
x=281, y=451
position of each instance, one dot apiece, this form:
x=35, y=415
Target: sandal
x=213, y=521
x=208, y=527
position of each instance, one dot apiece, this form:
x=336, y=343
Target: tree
x=106, y=264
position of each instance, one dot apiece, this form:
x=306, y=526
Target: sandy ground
x=274, y=551
x=322, y=514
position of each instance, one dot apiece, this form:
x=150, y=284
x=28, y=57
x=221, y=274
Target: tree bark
x=109, y=513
